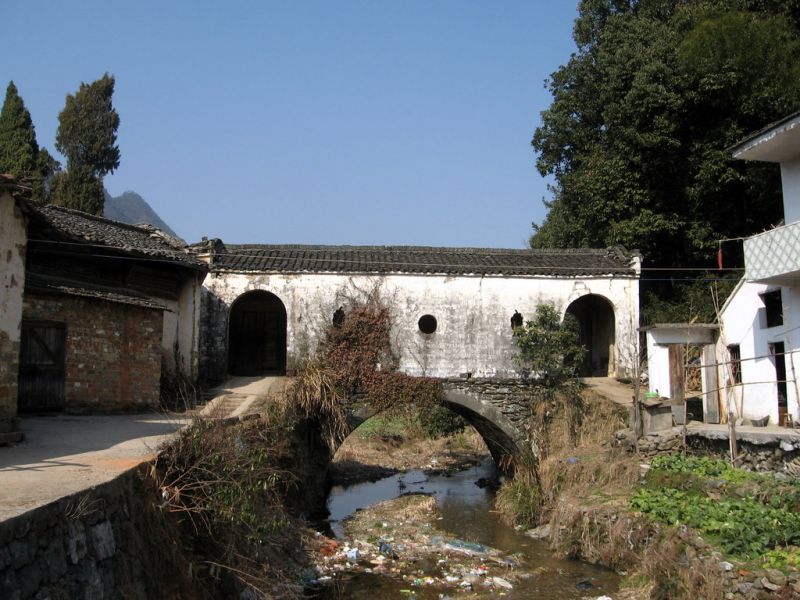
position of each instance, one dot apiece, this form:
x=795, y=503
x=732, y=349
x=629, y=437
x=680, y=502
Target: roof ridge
x=367, y=248
x=99, y=218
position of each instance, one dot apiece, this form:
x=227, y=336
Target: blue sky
x=348, y=122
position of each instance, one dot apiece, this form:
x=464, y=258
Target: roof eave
x=778, y=142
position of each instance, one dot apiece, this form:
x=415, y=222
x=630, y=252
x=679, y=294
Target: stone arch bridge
x=498, y=410
x=266, y=308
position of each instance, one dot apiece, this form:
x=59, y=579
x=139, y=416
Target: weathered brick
x=113, y=352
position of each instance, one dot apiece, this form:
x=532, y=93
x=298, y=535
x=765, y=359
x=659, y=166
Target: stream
x=465, y=512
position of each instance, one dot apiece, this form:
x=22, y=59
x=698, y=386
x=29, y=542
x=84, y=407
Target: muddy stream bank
x=428, y=534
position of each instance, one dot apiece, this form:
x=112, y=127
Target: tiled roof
x=420, y=259
x=42, y=284
x=139, y=240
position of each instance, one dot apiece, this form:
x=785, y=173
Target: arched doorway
x=257, y=335
x=595, y=316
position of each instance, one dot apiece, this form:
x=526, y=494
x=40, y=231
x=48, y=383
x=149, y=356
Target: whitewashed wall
x=13, y=239
x=473, y=315
x=743, y=322
x=182, y=324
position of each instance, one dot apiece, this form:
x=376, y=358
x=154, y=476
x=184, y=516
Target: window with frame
x=735, y=362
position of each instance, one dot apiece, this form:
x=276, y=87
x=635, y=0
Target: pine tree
x=87, y=136
x=19, y=152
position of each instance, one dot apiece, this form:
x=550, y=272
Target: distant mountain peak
x=131, y=208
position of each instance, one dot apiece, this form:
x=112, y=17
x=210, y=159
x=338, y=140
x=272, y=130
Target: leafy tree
x=87, y=136
x=20, y=154
x=550, y=348
x=77, y=188
x=641, y=117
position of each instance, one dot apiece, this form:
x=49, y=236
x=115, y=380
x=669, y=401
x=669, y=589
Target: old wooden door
x=41, y=367
x=258, y=335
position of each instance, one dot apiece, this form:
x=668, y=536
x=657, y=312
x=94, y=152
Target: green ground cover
x=749, y=516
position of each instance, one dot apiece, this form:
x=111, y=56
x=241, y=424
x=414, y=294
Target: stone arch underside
x=596, y=324
x=505, y=441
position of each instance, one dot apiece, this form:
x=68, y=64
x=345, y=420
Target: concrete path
x=240, y=395
x=621, y=393
x=771, y=434
x=62, y=455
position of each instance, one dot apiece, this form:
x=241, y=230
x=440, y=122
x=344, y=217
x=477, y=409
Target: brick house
x=104, y=306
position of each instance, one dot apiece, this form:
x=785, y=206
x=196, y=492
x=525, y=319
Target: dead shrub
x=229, y=482
x=314, y=395
x=355, y=363
x=179, y=391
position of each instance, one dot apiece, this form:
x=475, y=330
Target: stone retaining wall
x=107, y=542
x=774, y=456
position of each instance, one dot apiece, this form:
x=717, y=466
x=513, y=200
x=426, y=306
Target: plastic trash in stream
x=469, y=548
x=385, y=549
x=353, y=555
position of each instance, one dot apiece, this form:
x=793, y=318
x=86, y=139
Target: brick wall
x=113, y=351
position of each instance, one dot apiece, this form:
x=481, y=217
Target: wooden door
x=41, y=367
x=677, y=373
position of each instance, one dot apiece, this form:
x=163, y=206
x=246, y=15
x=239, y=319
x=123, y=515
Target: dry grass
x=314, y=395
x=577, y=459
x=587, y=485
x=228, y=483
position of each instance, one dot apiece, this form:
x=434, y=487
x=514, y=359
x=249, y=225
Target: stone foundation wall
x=9, y=365
x=113, y=351
x=108, y=542
x=772, y=457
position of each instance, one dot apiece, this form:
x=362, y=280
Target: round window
x=427, y=323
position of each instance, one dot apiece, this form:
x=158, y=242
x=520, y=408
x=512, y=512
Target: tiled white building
x=760, y=323
x=266, y=307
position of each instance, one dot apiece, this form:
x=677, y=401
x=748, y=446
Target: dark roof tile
x=42, y=284
x=137, y=240
x=421, y=259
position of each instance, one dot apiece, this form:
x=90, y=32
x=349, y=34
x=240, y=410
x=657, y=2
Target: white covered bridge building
x=265, y=307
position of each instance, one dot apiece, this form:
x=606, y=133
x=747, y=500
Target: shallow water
x=466, y=512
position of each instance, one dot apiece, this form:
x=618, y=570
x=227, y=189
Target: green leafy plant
x=549, y=348
x=750, y=516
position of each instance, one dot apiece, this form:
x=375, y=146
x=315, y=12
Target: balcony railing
x=774, y=254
